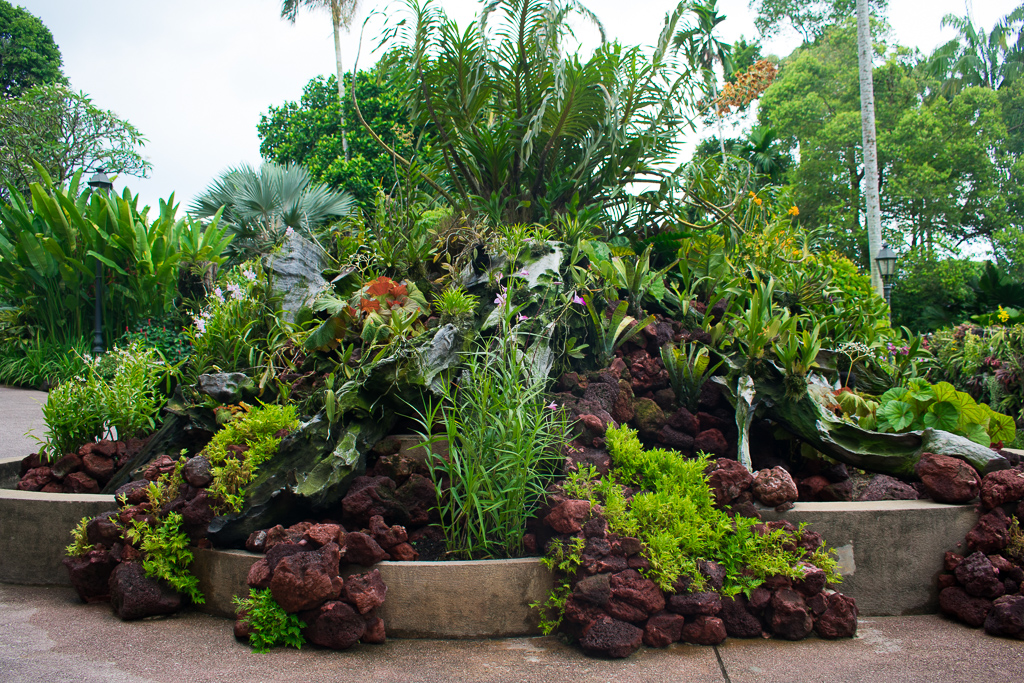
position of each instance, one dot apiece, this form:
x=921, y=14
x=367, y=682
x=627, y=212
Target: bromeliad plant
x=612, y=332
x=687, y=369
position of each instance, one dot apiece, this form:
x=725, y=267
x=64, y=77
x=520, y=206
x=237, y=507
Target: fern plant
x=270, y=625
x=166, y=555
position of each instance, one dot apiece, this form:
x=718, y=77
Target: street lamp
x=99, y=181
x=886, y=260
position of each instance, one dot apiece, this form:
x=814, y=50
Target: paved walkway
x=46, y=635
x=21, y=414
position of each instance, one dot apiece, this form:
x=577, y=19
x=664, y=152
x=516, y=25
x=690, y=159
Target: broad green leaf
x=943, y=415
x=977, y=434
x=899, y=414
x=894, y=394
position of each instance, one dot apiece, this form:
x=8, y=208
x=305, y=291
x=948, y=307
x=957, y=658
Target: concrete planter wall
x=890, y=553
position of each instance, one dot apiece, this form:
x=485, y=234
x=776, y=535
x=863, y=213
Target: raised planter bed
x=891, y=553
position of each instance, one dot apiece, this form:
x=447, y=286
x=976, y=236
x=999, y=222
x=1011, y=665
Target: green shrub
x=166, y=553
x=270, y=624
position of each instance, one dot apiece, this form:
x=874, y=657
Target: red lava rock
x=951, y=560
x=948, y=480
x=774, y=487
x=999, y=488
x=259, y=574
x=198, y=472
x=607, y=637
x=738, y=619
x=817, y=603
x=712, y=442
x=713, y=572
x=417, y=498
x=839, y=620
x=676, y=439
x=80, y=482
x=684, y=421
x=969, y=609
x=35, y=479
x=279, y=534
x=813, y=581
x=334, y=625
x=283, y=550
x=365, y=591
x=596, y=589
x=31, y=462
x=663, y=629
x=242, y=629
x=320, y=535
x=90, y=574
x=1006, y=618
x=580, y=612
x=693, y=604
x=820, y=488
x=760, y=598
x=990, y=534
x=594, y=424
x=729, y=480
x=403, y=552
x=567, y=517
x=623, y=611
x=596, y=527
x=133, y=595
x=704, y=630
x=612, y=564
x=374, y=633
x=105, y=447
x=387, y=537
x=98, y=467
x=256, y=543
x=159, y=467
x=884, y=487
x=978, y=577
x=133, y=493
x=361, y=549
x=630, y=587
x=945, y=581
x=791, y=619
x=103, y=529
x=72, y=462
x=196, y=515
x=304, y=580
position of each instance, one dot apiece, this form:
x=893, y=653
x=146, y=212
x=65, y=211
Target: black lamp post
x=99, y=181
x=886, y=260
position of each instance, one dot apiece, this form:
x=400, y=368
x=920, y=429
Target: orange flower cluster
x=747, y=87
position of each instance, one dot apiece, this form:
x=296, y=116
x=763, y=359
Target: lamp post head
x=100, y=181
x=886, y=260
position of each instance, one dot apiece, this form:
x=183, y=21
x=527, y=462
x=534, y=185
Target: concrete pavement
x=47, y=635
x=21, y=418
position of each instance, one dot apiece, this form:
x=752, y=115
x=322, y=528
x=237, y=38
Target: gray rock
x=197, y=472
x=296, y=274
x=309, y=476
x=227, y=387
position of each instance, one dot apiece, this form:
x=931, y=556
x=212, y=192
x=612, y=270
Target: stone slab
x=472, y=599
x=36, y=527
x=890, y=551
x=10, y=472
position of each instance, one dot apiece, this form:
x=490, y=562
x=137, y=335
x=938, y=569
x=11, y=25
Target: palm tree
x=260, y=205
x=764, y=155
x=342, y=12
x=979, y=58
x=702, y=49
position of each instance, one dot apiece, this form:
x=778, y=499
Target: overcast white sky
x=195, y=75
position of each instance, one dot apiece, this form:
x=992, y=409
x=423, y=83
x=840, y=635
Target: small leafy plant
x=270, y=624
x=687, y=370
x=613, y=332
x=166, y=553
x=79, y=539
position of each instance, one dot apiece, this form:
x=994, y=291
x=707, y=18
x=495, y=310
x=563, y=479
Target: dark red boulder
x=90, y=574
x=365, y=591
x=35, y=479
x=133, y=493
x=684, y=421
x=607, y=637
x=739, y=621
x=596, y=590
x=978, y=577
x=623, y=611
x=712, y=442
x=729, y=480
x=374, y=633
x=704, y=630
x=774, y=487
x=320, y=535
x=884, y=487
x=663, y=629
x=362, y=549
x=334, y=625
x=990, y=534
x=1002, y=487
x=813, y=580
x=969, y=609
x=947, y=479
x=80, y=482
x=839, y=620
x=304, y=580
x=198, y=472
x=1006, y=618
x=568, y=516
x=693, y=604
x=99, y=467
x=72, y=462
x=259, y=574
x=634, y=589
x=791, y=619
x=133, y=595
x=103, y=529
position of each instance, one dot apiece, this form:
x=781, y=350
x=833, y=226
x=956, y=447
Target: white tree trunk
x=336, y=20
x=865, y=53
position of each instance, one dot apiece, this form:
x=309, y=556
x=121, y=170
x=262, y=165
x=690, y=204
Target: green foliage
x=127, y=402
x=809, y=18
x=63, y=132
x=165, y=336
x=503, y=449
x=920, y=405
x=454, y=303
x=687, y=369
x=307, y=133
x=79, y=539
x=270, y=624
x=166, y=554
x=257, y=429
x=28, y=55
x=38, y=362
x=49, y=255
x=563, y=559
x=614, y=331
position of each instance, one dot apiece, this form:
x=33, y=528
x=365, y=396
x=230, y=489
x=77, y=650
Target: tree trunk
x=865, y=52
x=336, y=21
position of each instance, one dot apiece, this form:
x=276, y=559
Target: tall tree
x=990, y=59
x=28, y=55
x=342, y=12
x=63, y=131
x=865, y=60
x=809, y=18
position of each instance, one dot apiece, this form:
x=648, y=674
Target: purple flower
x=524, y=273
x=552, y=406
x=577, y=299
x=522, y=317
x=502, y=297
